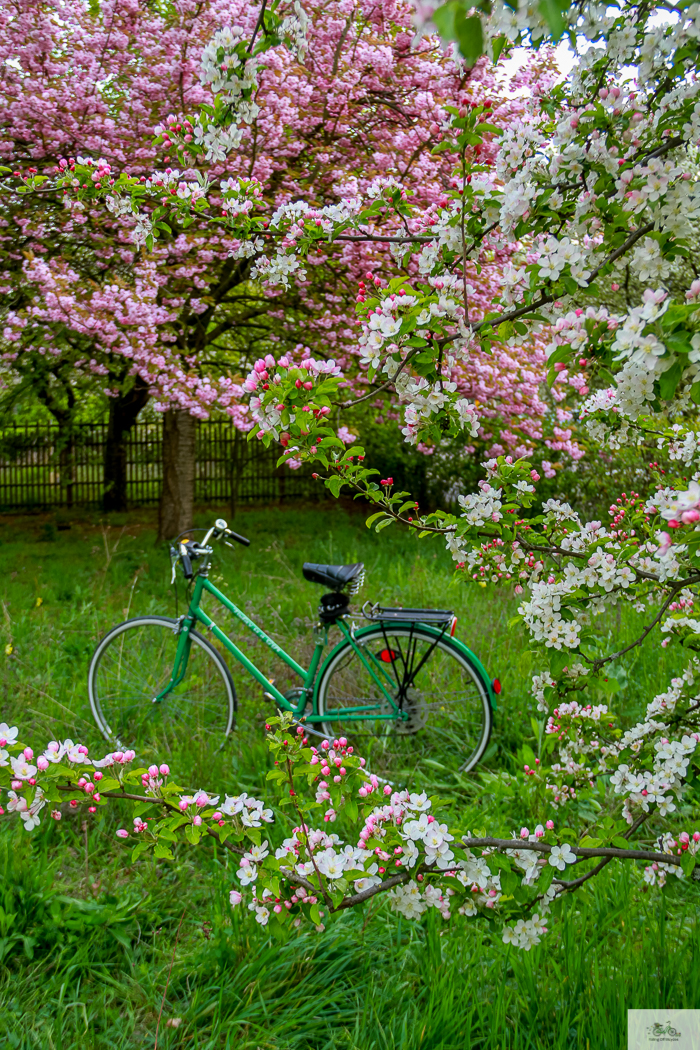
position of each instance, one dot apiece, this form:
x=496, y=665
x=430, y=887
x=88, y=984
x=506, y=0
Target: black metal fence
x=39, y=471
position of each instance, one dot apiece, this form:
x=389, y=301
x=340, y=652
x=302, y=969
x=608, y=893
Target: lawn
x=87, y=941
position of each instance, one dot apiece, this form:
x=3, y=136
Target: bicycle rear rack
x=380, y=614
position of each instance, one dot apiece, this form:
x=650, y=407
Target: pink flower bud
x=16, y=785
x=89, y=788
x=196, y=820
x=524, y=833
x=337, y=780
x=96, y=797
x=82, y=782
x=122, y=834
x=216, y=816
x=42, y=763
x=56, y=814
x=387, y=789
x=129, y=756
x=164, y=769
x=549, y=825
x=153, y=771
x=182, y=805
x=82, y=750
x=92, y=809
x=98, y=775
x=28, y=754
x=277, y=909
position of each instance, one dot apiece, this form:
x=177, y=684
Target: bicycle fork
x=182, y=656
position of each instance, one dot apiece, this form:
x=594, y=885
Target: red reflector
x=387, y=655
x=496, y=686
x=454, y=624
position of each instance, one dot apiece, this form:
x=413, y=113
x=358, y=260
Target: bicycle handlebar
x=186, y=551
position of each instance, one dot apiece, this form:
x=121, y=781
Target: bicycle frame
x=195, y=614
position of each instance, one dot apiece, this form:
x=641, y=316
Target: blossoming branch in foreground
x=399, y=846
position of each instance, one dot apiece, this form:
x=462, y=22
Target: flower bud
x=28, y=754
x=164, y=769
x=122, y=834
x=42, y=763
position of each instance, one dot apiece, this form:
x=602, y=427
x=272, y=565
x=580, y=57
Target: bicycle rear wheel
x=437, y=685
x=133, y=664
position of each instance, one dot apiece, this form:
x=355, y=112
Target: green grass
x=86, y=943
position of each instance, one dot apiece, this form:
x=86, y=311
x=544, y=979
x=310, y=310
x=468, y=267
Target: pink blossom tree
x=179, y=321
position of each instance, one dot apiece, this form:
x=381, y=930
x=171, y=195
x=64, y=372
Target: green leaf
x=509, y=882
x=162, y=852
x=679, y=342
x=335, y=484
x=551, y=12
x=591, y=843
x=669, y=380
x=315, y=914
x=470, y=37
x=140, y=848
x=374, y=517
x=687, y=863
x=620, y=842
x=193, y=834
x=545, y=879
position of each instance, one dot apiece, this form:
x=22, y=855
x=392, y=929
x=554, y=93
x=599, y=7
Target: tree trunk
x=176, y=510
x=67, y=469
x=123, y=412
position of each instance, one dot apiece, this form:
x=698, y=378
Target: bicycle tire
x=428, y=749
x=203, y=706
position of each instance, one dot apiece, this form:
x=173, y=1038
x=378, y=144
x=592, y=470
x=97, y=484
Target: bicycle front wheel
x=439, y=689
x=133, y=664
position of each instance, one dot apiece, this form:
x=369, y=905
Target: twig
x=579, y=851
x=170, y=970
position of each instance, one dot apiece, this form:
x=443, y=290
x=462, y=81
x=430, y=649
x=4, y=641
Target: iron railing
x=40, y=469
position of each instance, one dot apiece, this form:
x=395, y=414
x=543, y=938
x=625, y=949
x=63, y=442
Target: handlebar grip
x=186, y=566
x=237, y=538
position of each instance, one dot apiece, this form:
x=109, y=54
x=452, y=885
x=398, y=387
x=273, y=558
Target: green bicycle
x=410, y=697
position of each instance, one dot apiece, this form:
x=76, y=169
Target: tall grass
x=86, y=943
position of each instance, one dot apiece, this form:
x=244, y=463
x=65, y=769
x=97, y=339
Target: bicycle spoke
x=135, y=667
x=443, y=715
